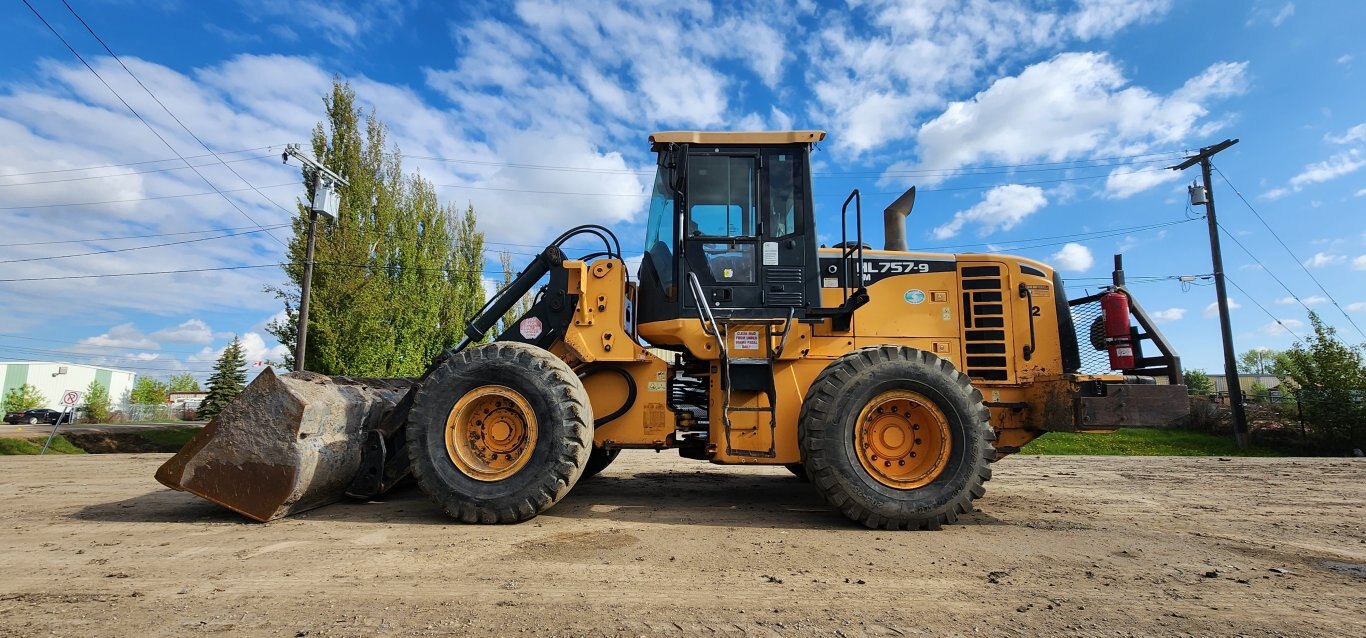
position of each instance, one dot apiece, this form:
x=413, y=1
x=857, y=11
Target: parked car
x=34, y=416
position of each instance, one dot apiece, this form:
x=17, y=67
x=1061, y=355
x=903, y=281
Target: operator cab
x=733, y=210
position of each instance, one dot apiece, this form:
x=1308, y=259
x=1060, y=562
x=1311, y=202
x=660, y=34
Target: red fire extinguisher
x=1115, y=306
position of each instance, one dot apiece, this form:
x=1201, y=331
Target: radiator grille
x=984, y=334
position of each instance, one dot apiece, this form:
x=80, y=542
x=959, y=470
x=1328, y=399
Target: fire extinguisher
x=1115, y=306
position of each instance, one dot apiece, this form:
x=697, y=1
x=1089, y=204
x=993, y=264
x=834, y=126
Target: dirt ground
x=92, y=545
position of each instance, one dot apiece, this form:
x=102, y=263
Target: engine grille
x=985, y=345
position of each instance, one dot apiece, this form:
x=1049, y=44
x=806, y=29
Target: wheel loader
x=890, y=380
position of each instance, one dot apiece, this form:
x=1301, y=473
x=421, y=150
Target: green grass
x=10, y=446
x=170, y=436
x=1142, y=442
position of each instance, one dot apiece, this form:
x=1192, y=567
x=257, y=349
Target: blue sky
x=1007, y=115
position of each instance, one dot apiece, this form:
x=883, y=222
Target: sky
x=1034, y=128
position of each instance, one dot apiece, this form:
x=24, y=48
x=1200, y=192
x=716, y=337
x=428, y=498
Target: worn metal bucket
x=288, y=443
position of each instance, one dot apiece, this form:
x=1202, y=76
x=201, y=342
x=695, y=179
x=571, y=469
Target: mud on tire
x=557, y=456
x=833, y=409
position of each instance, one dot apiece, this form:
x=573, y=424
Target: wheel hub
x=902, y=439
x=491, y=433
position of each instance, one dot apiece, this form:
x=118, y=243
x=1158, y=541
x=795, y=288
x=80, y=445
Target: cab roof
x=737, y=137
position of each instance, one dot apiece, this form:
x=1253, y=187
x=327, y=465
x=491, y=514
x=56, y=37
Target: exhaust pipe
x=894, y=221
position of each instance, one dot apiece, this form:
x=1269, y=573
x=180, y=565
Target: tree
x=523, y=305
x=1328, y=380
x=149, y=391
x=183, y=382
x=1197, y=382
x=228, y=378
x=96, y=402
x=1259, y=361
x=24, y=397
x=398, y=274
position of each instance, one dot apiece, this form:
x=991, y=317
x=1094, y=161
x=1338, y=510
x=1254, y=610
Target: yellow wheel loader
x=890, y=380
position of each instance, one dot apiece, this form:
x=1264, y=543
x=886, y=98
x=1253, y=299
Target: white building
x=55, y=379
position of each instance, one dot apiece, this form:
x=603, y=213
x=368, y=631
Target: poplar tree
x=397, y=276
x=228, y=378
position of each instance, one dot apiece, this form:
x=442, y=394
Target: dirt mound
x=116, y=443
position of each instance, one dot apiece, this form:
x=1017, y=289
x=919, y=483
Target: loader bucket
x=286, y=444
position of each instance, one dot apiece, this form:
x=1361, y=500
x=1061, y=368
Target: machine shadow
x=738, y=499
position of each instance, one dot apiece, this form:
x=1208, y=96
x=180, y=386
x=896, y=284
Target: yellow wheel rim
x=491, y=433
x=902, y=439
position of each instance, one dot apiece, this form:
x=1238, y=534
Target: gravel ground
x=657, y=545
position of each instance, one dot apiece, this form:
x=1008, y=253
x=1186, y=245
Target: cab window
x=721, y=196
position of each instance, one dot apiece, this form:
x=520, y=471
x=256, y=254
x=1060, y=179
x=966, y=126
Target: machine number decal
x=878, y=268
x=746, y=339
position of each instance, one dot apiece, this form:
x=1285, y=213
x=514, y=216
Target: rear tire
x=896, y=438
x=33, y=420
x=598, y=460
x=499, y=433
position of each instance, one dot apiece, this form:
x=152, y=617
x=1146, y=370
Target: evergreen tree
x=24, y=397
x=228, y=378
x=397, y=276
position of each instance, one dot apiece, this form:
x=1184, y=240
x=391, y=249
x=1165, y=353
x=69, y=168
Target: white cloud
x=872, y=83
x=1074, y=105
x=1283, y=15
x=1212, y=310
x=1267, y=13
x=1281, y=327
x=1355, y=134
x=1320, y=260
x=1361, y=193
x=121, y=336
x=1073, y=257
x=192, y=331
x=1126, y=182
x=1344, y=58
x=1335, y=166
x=1356, y=306
x=1312, y=300
x=1359, y=263
x=1002, y=208
x=1169, y=315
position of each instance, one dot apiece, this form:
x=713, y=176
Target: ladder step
x=749, y=362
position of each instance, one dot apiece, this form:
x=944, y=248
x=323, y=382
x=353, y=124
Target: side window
x=659, y=233
x=721, y=197
x=783, y=186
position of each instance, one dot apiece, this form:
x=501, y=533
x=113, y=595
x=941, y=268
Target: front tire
x=33, y=420
x=896, y=438
x=598, y=460
x=499, y=433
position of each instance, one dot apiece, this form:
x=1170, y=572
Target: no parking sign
x=71, y=397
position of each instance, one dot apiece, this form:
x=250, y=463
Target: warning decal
x=530, y=328
x=746, y=339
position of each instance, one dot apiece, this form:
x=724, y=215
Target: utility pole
x=1205, y=196
x=325, y=202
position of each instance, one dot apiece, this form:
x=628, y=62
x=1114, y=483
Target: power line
x=155, y=161
x=1262, y=308
x=132, y=248
x=139, y=116
x=1290, y=252
x=86, y=345
x=1083, y=236
x=102, y=239
x=126, y=174
x=102, y=359
x=1264, y=268
x=149, y=198
x=376, y=266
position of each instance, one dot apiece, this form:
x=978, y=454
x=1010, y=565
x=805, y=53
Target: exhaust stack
x=894, y=221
